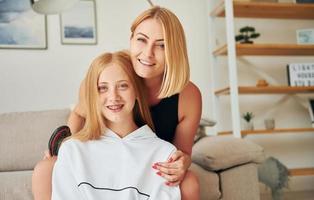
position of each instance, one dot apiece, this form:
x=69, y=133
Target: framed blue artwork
x=21, y=27
x=78, y=25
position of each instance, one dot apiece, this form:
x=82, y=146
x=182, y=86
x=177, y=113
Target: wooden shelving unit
x=267, y=90
x=268, y=50
x=231, y=9
x=267, y=10
x=274, y=131
x=301, y=172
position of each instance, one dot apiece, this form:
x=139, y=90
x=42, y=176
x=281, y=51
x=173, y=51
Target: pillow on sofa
x=222, y=152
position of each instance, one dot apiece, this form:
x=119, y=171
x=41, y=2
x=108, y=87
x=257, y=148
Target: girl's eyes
x=102, y=89
x=123, y=86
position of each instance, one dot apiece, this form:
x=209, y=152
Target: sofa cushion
x=209, y=183
x=240, y=182
x=16, y=185
x=222, y=152
x=24, y=137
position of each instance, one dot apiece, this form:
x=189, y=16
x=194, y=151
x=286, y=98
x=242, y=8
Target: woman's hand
x=174, y=169
x=47, y=156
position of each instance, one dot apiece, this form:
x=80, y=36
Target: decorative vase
x=269, y=124
x=248, y=125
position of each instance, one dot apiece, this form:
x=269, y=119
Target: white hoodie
x=113, y=168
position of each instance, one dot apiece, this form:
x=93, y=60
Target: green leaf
x=239, y=37
x=255, y=35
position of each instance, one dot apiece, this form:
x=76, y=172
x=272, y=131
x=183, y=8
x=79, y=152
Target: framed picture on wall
x=78, y=25
x=305, y=36
x=300, y=74
x=21, y=27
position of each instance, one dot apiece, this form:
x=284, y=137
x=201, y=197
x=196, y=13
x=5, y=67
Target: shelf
x=261, y=10
x=268, y=50
x=274, y=131
x=301, y=171
x=267, y=10
x=268, y=90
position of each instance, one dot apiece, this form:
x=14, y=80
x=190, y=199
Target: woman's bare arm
x=76, y=119
x=190, y=108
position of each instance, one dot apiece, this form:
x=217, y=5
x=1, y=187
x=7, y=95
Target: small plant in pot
x=248, y=121
x=246, y=33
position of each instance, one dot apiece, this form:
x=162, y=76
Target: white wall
x=295, y=150
x=48, y=79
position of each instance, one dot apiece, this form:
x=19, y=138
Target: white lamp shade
x=52, y=6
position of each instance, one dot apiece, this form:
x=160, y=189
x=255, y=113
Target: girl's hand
x=174, y=169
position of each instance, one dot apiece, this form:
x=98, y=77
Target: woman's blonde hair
x=95, y=121
x=177, y=70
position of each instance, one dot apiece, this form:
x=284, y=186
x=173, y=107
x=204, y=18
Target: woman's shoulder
x=190, y=102
x=190, y=94
x=80, y=109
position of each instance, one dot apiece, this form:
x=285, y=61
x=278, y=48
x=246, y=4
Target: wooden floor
x=306, y=195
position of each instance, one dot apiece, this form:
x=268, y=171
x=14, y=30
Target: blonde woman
x=159, y=55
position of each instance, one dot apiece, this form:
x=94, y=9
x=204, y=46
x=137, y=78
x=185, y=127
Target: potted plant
x=248, y=122
x=247, y=33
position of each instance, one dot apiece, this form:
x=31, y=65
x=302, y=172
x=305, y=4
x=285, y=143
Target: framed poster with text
x=300, y=74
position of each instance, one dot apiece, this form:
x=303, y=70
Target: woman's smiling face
x=147, y=49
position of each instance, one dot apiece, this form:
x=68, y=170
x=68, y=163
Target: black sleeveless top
x=165, y=117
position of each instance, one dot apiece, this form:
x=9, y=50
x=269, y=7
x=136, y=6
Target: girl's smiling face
x=117, y=95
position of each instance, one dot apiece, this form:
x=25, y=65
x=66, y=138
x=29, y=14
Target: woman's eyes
x=161, y=46
x=141, y=39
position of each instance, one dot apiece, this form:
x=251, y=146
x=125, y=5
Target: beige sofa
x=226, y=166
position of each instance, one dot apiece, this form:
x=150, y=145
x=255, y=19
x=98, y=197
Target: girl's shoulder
x=164, y=148
x=75, y=144
x=70, y=143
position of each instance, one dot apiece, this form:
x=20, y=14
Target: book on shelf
x=300, y=74
x=311, y=110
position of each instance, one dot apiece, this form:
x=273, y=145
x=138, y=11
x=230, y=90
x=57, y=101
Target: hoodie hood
x=144, y=132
